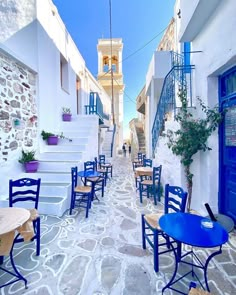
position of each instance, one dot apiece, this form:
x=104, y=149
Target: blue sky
x=137, y=22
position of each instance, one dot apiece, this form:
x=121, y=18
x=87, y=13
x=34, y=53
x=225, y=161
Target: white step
x=52, y=189
x=50, y=176
x=75, y=140
x=71, y=147
x=58, y=165
x=60, y=155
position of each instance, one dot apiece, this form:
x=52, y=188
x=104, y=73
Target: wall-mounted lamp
x=179, y=13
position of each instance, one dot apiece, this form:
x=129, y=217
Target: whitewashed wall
x=218, y=54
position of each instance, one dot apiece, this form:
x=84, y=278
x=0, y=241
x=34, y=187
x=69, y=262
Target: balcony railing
x=177, y=77
x=96, y=107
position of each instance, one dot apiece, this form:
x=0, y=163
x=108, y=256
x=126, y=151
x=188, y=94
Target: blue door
x=227, y=196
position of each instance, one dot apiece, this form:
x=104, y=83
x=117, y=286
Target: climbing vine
x=192, y=136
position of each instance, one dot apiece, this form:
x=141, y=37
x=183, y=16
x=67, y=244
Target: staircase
x=55, y=162
x=141, y=140
x=106, y=147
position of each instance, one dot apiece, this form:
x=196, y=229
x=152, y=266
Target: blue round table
x=188, y=229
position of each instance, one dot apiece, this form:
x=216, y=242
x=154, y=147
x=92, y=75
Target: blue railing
x=175, y=79
x=96, y=107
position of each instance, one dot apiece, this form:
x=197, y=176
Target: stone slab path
x=102, y=255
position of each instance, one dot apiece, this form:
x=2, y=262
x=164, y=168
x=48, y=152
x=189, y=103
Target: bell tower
x=110, y=76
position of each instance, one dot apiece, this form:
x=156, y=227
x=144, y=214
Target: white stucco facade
x=214, y=52
x=33, y=34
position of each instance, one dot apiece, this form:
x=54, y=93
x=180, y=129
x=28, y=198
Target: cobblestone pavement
x=102, y=255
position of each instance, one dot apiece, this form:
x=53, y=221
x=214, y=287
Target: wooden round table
x=147, y=171
x=11, y=218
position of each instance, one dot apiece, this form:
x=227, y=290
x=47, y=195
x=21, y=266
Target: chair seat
x=147, y=182
x=153, y=219
x=101, y=170
x=106, y=165
x=82, y=189
x=194, y=291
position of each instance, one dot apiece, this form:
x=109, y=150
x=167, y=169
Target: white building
x=213, y=56
x=42, y=71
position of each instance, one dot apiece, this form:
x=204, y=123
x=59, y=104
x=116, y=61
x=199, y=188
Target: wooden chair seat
x=94, y=179
x=195, y=291
x=82, y=189
x=153, y=219
x=147, y=182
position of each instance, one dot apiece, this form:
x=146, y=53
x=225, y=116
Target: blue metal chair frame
x=175, y=201
x=101, y=170
x=104, y=165
x=81, y=196
x=31, y=193
x=152, y=187
x=98, y=183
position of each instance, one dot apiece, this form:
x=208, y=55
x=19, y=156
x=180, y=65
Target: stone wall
x=18, y=109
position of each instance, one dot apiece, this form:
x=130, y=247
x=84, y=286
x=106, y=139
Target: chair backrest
x=147, y=163
x=156, y=175
x=175, y=199
x=140, y=157
x=24, y=189
x=74, y=177
x=102, y=159
x=90, y=166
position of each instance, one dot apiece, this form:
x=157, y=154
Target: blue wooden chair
x=104, y=165
x=25, y=190
x=151, y=187
x=98, y=182
x=138, y=162
x=101, y=170
x=81, y=196
x=175, y=201
x=147, y=162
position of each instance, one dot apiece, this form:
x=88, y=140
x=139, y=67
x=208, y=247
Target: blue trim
x=187, y=49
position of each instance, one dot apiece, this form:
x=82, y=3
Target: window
x=64, y=72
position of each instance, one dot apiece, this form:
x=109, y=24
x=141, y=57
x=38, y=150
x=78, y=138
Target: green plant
x=66, y=110
x=27, y=156
x=45, y=135
x=192, y=136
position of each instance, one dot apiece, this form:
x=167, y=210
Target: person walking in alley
x=124, y=149
x=129, y=150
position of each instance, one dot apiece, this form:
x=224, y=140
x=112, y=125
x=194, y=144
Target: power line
x=139, y=49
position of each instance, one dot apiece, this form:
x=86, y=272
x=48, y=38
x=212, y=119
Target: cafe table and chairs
x=105, y=165
x=142, y=171
x=14, y=222
x=195, y=231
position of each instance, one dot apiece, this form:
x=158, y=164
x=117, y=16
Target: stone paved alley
x=103, y=255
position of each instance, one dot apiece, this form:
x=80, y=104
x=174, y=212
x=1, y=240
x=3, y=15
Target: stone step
x=50, y=176
x=59, y=165
x=60, y=155
x=67, y=147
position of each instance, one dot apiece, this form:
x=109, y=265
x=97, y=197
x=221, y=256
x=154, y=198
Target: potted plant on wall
x=51, y=138
x=66, y=114
x=28, y=159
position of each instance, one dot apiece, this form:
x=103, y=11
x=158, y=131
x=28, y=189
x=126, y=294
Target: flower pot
x=31, y=166
x=66, y=117
x=52, y=140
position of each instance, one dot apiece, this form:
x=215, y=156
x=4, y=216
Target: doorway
x=227, y=192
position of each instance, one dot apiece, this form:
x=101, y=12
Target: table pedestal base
x=193, y=265
x=16, y=273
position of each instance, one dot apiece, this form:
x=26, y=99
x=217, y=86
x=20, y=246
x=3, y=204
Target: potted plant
x=51, y=138
x=66, y=114
x=28, y=159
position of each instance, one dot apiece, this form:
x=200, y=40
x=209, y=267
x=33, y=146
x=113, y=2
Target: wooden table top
x=11, y=218
x=144, y=171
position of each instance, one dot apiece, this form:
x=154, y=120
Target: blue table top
x=187, y=228
x=85, y=173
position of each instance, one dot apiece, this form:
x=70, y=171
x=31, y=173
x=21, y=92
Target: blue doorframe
x=227, y=142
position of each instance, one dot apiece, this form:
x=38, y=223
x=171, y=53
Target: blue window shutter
x=187, y=49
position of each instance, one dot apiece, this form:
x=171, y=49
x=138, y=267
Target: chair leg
x=155, y=196
x=140, y=193
x=38, y=237
x=178, y=251
x=1, y=259
x=88, y=205
x=143, y=232
x=156, y=250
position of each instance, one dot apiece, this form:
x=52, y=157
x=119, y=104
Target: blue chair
x=138, y=162
x=151, y=187
x=81, y=196
x=101, y=170
x=25, y=190
x=175, y=201
x=98, y=182
x=104, y=165
x=147, y=162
